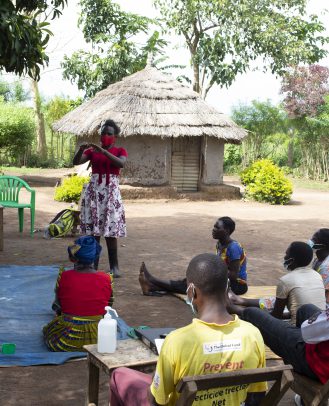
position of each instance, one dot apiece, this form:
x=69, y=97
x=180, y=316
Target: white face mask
x=315, y=246
x=190, y=301
x=287, y=263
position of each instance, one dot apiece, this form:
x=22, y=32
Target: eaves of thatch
x=150, y=103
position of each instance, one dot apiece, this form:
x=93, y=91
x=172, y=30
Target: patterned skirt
x=102, y=211
x=71, y=333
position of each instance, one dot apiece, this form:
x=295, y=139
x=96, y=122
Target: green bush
x=70, y=189
x=265, y=182
x=17, y=128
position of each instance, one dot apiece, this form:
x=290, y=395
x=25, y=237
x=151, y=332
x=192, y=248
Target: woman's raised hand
x=83, y=146
x=96, y=147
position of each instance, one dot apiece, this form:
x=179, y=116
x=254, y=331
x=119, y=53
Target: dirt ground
x=165, y=234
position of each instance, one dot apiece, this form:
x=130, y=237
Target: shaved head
x=209, y=273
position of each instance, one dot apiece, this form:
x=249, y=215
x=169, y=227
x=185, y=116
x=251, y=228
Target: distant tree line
x=294, y=134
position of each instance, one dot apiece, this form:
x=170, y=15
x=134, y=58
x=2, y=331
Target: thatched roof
x=150, y=103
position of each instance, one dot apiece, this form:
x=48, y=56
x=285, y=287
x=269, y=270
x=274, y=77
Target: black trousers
x=282, y=338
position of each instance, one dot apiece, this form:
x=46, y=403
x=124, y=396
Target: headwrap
x=85, y=249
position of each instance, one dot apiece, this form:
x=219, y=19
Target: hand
x=83, y=146
x=235, y=299
x=96, y=147
x=313, y=318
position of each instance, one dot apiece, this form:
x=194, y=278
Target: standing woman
x=102, y=211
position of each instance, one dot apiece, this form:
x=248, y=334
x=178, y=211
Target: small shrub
x=70, y=189
x=265, y=182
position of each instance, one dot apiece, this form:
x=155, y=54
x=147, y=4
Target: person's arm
x=282, y=294
x=163, y=383
x=234, y=252
x=118, y=161
x=152, y=400
x=79, y=157
x=278, y=309
x=233, y=269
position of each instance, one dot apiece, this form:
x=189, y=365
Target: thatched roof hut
x=152, y=108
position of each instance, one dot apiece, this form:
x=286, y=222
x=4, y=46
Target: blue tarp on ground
x=26, y=295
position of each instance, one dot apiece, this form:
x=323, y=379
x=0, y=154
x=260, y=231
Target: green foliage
x=265, y=182
x=70, y=189
x=225, y=37
x=24, y=34
x=17, y=128
x=13, y=92
x=115, y=54
x=265, y=122
x=58, y=106
x=232, y=158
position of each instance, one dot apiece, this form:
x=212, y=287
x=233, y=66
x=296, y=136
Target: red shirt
x=101, y=164
x=317, y=357
x=84, y=294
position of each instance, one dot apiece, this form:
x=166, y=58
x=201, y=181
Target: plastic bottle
x=107, y=333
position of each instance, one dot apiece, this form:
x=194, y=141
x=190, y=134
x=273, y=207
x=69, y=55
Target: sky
x=253, y=85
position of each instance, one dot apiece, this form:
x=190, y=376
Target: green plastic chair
x=10, y=187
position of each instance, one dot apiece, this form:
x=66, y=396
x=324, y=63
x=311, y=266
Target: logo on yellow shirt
x=222, y=346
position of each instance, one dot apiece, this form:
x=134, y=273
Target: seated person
x=229, y=250
x=185, y=351
x=81, y=296
x=309, y=357
x=320, y=243
x=301, y=285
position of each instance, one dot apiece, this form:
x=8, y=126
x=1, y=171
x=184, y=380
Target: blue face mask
x=315, y=246
x=188, y=300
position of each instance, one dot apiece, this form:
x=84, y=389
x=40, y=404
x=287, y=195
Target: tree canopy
x=115, y=52
x=305, y=88
x=224, y=37
x=24, y=34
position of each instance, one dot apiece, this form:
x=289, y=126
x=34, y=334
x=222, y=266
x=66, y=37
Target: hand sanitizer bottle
x=107, y=333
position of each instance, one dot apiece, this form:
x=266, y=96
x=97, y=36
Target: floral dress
x=102, y=210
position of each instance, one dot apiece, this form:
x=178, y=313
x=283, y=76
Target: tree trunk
x=291, y=149
x=40, y=121
x=196, y=78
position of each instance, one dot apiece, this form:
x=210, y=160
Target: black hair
x=323, y=236
x=228, y=223
x=110, y=123
x=301, y=252
x=209, y=273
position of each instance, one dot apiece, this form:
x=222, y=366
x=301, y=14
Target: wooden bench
x=282, y=375
x=313, y=393
x=10, y=188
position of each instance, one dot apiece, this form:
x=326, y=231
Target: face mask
x=188, y=300
x=107, y=140
x=287, y=262
x=315, y=246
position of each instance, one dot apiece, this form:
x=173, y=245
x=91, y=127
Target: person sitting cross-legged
x=228, y=249
x=189, y=351
x=81, y=296
x=301, y=285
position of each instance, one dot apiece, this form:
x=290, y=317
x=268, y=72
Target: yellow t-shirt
x=207, y=348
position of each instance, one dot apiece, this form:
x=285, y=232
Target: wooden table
x=129, y=353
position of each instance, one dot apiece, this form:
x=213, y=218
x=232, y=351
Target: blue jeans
x=282, y=338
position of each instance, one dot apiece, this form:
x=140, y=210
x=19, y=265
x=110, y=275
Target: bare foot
x=147, y=287
x=235, y=299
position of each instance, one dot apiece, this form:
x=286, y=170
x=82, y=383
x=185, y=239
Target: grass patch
x=302, y=183
x=23, y=170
